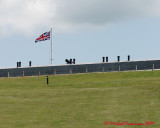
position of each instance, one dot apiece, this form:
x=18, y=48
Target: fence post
x=39, y=73
x=54, y=72
x=8, y=74
x=152, y=67
x=119, y=68
x=86, y=70
x=103, y=69
x=23, y=73
x=47, y=80
x=136, y=67
x=70, y=71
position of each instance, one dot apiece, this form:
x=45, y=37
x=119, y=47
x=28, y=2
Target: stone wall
x=80, y=68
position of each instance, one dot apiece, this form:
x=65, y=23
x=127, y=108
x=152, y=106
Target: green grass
x=80, y=100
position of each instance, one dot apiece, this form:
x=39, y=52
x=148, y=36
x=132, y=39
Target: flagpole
x=51, y=47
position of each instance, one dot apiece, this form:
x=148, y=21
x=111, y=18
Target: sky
x=85, y=30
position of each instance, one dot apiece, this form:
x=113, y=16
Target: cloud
x=28, y=16
x=95, y=13
x=25, y=15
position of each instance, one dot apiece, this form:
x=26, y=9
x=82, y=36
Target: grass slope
x=81, y=100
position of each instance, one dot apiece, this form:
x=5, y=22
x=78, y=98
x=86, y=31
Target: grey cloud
x=100, y=12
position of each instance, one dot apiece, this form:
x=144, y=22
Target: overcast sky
x=82, y=29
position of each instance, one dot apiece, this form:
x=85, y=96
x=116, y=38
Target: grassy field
x=81, y=100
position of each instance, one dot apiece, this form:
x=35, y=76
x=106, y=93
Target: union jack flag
x=43, y=37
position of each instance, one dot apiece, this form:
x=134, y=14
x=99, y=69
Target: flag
x=43, y=37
